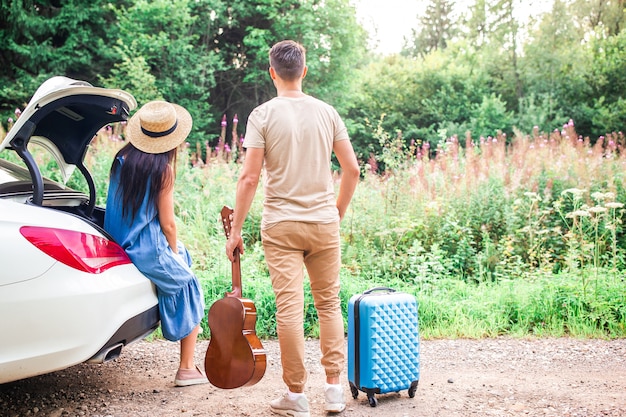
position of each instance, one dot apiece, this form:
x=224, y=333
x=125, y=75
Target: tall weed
x=518, y=236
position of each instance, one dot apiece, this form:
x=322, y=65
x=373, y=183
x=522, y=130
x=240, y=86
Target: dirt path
x=494, y=377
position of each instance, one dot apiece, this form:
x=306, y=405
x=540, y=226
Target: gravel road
x=490, y=377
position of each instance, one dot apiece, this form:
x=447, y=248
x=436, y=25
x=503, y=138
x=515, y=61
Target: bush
x=492, y=239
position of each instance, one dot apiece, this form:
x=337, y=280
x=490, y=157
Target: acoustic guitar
x=235, y=356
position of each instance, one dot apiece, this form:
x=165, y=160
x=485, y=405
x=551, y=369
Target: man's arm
x=349, y=174
x=246, y=189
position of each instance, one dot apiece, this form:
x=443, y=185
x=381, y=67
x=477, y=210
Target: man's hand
x=233, y=242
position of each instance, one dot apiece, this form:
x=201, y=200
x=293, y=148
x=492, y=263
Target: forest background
x=492, y=150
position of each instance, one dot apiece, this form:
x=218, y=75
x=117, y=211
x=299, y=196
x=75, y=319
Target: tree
x=505, y=69
x=420, y=98
x=39, y=39
x=608, y=85
x=489, y=117
x=606, y=17
x=476, y=27
x=133, y=75
x=163, y=34
x=435, y=30
x=553, y=71
x=210, y=56
x=244, y=31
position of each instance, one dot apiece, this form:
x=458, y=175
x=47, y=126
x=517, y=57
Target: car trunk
x=63, y=116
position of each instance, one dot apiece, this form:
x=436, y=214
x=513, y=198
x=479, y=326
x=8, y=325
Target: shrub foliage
x=519, y=236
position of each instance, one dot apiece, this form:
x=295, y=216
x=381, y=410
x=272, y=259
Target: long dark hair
x=140, y=170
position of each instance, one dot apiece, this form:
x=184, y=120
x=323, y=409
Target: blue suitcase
x=383, y=343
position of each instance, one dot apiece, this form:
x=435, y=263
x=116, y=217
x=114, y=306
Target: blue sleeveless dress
x=181, y=302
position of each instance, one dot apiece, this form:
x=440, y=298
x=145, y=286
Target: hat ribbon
x=160, y=134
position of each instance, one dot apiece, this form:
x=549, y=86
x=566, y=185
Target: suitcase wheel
x=355, y=390
x=413, y=388
x=372, y=400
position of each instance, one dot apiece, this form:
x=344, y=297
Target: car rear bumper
x=133, y=330
x=66, y=317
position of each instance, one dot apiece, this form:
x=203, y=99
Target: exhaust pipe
x=108, y=354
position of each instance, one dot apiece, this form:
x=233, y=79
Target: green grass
x=491, y=239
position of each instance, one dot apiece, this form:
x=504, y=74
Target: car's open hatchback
x=63, y=116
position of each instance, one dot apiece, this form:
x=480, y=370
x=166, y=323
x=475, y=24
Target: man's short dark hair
x=288, y=59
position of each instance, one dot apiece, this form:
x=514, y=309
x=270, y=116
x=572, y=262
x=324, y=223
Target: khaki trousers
x=287, y=246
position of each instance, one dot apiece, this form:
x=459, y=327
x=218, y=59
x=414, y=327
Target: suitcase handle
x=371, y=290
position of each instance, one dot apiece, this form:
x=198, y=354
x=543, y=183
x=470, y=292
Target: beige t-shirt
x=297, y=135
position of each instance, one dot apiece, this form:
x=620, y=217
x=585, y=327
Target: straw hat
x=158, y=127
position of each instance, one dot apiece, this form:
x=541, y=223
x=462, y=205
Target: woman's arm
x=165, y=207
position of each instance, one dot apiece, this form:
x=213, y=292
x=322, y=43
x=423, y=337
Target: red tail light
x=82, y=251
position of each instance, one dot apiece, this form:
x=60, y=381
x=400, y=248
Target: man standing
x=294, y=135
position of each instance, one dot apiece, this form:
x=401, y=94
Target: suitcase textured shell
x=383, y=342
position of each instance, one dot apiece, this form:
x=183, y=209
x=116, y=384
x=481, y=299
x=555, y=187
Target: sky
x=389, y=21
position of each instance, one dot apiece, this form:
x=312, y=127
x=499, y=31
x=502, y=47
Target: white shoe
x=333, y=394
x=291, y=408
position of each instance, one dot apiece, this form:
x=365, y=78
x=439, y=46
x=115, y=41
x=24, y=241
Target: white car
x=68, y=292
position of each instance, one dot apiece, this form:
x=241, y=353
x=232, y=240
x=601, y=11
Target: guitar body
x=235, y=356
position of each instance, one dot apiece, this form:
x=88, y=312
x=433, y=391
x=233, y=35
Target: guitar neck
x=226, y=214
x=236, y=273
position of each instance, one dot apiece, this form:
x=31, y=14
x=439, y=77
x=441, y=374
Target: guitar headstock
x=227, y=219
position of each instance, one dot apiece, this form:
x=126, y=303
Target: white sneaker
x=333, y=394
x=291, y=408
